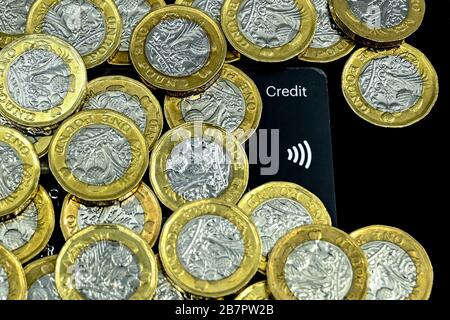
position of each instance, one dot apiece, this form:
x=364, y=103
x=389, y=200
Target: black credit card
x=294, y=137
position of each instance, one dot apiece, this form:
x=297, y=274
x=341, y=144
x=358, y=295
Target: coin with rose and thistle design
x=130, y=98
x=98, y=156
x=390, y=88
x=92, y=27
x=106, y=262
x=399, y=267
x=178, y=49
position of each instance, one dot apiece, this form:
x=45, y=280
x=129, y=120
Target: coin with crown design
x=390, y=88
x=42, y=82
x=233, y=103
x=210, y=248
x=399, y=267
x=106, y=262
x=178, y=49
x=92, y=27
x=98, y=156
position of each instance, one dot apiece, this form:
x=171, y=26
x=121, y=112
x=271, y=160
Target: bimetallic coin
x=378, y=23
x=198, y=161
x=106, y=262
x=130, y=98
x=328, y=44
x=390, y=88
x=179, y=49
x=276, y=208
x=317, y=262
x=19, y=172
x=92, y=27
x=42, y=82
x=257, y=291
x=28, y=233
x=399, y=267
x=13, y=284
x=131, y=12
x=98, y=156
x=269, y=31
x=40, y=276
x=140, y=213
x=165, y=290
x=212, y=8
x=210, y=248
x=13, y=19
x=233, y=103
x=39, y=142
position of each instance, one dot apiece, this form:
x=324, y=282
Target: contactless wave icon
x=301, y=154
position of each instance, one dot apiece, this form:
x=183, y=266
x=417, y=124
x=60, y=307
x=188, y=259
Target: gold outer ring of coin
x=44, y=228
x=284, y=246
x=196, y=82
x=232, y=54
x=121, y=188
x=279, y=189
x=352, y=92
x=147, y=199
x=414, y=249
x=377, y=37
x=257, y=291
x=250, y=92
x=106, y=232
x=179, y=275
x=138, y=91
x=22, y=196
x=40, y=268
x=111, y=17
x=41, y=145
x=329, y=54
x=48, y=119
x=122, y=58
x=15, y=275
x=285, y=52
x=239, y=162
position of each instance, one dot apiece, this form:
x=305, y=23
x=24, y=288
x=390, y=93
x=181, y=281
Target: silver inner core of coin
x=132, y=12
x=11, y=170
x=106, y=270
x=222, y=104
x=13, y=16
x=276, y=217
x=44, y=288
x=391, y=84
x=210, y=7
x=392, y=272
x=326, y=34
x=98, y=155
x=16, y=232
x=165, y=290
x=177, y=47
x=128, y=213
x=210, y=247
x=81, y=23
x=199, y=168
x=269, y=23
x=38, y=80
x=4, y=284
x=121, y=102
x=380, y=14
x=318, y=270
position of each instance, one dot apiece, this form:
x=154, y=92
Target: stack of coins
x=100, y=138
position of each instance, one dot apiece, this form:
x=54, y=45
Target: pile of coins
x=100, y=138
